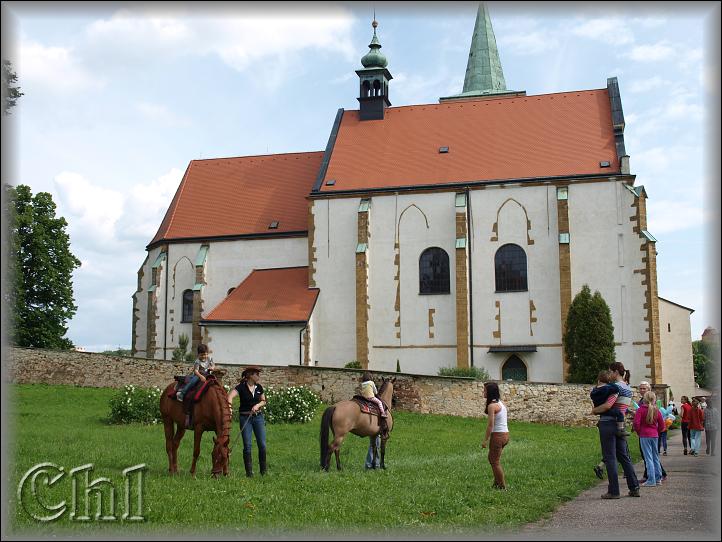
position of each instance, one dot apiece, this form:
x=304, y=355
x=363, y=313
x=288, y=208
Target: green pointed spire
x=484, y=76
x=483, y=71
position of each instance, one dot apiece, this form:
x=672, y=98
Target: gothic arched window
x=434, y=271
x=187, y=313
x=514, y=369
x=510, y=269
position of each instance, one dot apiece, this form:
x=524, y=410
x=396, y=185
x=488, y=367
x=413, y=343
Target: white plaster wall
x=259, y=345
x=335, y=240
x=228, y=263
x=599, y=223
x=141, y=305
x=514, y=206
x=675, y=335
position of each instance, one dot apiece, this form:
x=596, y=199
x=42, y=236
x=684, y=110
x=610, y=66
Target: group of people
x=611, y=399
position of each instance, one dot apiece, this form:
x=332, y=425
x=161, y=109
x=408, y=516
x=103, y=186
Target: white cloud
x=92, y=211
x=606, y=29
x=645, y=85
x=668, y=216
x=53, y=68
x=160, y=113
x=241, y=38
x=528, y=43
x=651, y=53
x=145, y=207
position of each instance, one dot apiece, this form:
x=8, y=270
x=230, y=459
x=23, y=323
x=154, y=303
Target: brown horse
x=346, y=417
x=211, y=413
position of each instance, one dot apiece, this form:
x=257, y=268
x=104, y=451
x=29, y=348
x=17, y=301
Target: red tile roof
x=268, y=295
x=241, y=196
x=489, y=139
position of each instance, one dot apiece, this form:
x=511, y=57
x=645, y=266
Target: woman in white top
x=497, y=432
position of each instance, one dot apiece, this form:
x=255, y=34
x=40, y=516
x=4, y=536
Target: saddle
x=191, y=397
x=367, y=406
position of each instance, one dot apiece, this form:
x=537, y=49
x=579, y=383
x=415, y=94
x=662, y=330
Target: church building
x=453, y=234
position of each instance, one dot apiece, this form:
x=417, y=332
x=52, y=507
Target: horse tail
x=326, y=420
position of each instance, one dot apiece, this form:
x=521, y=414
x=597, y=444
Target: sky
x=118, y=98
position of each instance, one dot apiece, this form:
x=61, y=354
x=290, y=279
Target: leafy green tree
x=589, y=338
x=40, y=269
x=10, y=91
x=706, y=363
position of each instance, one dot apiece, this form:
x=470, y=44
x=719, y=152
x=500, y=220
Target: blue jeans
x=662, y=443
x=615, y=449
x=256, y=424
x=192, y=381
x=651, y=459
x=369, y=455
x=695, y=437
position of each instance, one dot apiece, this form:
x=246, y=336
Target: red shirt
x=696, y=419
x=686, y=408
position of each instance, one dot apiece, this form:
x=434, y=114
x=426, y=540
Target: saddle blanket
x=367, y=406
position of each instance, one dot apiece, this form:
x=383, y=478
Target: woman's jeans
x=496, y=445
x=256, y=424
x=696, y=439
x=369, y=455
x=615, y=449
x=685, y=435
x=651, y=459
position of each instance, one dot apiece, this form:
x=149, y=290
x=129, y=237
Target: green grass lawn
x=437, y=479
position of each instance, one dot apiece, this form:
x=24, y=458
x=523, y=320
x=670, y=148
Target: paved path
x=685, y=507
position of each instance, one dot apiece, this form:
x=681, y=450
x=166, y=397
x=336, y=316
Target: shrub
x=292, y=404
x=353, y=365
x=181, y=353
x=133, y=404
x=477, y=373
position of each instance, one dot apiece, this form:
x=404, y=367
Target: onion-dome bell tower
x=373, y=81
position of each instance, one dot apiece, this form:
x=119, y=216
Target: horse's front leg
x=196, y=448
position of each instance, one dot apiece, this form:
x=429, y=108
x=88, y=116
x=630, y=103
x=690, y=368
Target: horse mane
x=383, y=386
x=221, y=396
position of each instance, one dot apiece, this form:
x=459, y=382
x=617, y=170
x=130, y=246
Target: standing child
x=648, y=423
x=696, y=426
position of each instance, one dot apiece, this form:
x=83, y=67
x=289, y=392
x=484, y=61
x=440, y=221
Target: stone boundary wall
x=563, y=404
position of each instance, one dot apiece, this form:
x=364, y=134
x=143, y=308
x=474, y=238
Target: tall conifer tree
x=589, y=339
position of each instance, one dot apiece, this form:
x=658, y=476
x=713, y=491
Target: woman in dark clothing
x=251, y=418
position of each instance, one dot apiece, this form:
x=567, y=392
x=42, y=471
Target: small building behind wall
x=265, y=320
x=676, y=341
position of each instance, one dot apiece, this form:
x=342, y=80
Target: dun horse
x=211, y=414
x=346, y=417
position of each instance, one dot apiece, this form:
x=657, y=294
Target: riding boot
x=262, y=460
x=248, y=462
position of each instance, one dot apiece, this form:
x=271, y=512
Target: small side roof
x=267, y=296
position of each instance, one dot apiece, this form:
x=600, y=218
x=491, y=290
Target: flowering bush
x=292, y=404
x=133, y=404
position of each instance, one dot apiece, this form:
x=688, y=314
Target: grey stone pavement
x=685, y=507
